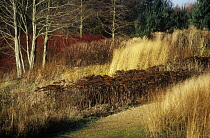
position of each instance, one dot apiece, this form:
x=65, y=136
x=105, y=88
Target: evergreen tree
x=154, y=16
x=200, y=17
x=180, y=18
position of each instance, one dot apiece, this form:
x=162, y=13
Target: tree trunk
x=46, y=34
x=27, y=46
x=81, y=19
x=33, y=45
x=16, y=43
x=21, y=56
x=45, y=48
x=113, y=20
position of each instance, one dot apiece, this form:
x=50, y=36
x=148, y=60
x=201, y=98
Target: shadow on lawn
x=56, y=129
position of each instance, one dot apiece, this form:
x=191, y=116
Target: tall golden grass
x=183, y=111
x=140, y=54
x=189, y=42
x=24, y=111
x=163, y=48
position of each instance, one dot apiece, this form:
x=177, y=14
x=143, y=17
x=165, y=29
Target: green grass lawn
x=91, y=133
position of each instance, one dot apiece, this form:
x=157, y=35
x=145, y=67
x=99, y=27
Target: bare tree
x=40, y=18
x=112, y=15
x=82, y=14
x=24, y=6
x=36, y=17
x=53, y=18
x=9, y=17
x=46, y=34
x=45, y=19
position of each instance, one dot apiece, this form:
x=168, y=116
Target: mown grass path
x=128, y=123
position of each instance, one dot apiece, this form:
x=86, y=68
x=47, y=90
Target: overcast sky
x=181, y=2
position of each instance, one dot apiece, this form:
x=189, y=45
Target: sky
x=181, y=2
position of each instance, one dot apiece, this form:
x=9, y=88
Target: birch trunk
x=113, y=20
x=34, y=36
x=81, y=19
x=46, y=34
x=16, y=42
x=21, y=56
x=22, y=62
x=27, y=46
x=45, y=49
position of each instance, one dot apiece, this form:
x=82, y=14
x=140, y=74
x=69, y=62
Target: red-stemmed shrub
x=7, y=58
x=56, y=45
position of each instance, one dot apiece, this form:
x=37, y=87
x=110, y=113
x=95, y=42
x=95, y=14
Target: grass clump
x=140, y=54
x=162, y=49
x=23, y=111
x=184, y=111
